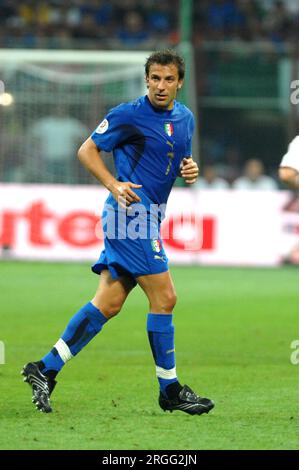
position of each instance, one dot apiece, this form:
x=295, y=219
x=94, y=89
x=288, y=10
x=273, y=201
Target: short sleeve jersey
x=148, y=145
x=291, y=158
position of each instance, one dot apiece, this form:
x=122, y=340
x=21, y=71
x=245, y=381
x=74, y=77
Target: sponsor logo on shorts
x=161, y=258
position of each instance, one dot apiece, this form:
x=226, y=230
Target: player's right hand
x=123, y=194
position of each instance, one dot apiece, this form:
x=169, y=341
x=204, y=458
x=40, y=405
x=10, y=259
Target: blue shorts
x=132, y=257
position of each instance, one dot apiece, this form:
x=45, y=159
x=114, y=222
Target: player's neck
x=160, y=108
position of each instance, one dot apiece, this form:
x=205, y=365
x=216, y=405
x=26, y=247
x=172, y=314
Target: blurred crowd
x=248, y=20
x=151, y=24
x=142, y=24
x=92, y=23
x=253, y=177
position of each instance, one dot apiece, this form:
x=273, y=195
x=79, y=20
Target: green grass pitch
x=234, y=328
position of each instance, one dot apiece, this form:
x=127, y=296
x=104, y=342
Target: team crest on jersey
x=102, y=127
x=156, y=245
x=168, y=127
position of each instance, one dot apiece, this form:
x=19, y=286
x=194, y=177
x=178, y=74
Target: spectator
x=278, y=22
x=88, y=28
x=211, y=180
x=254, y=177
x=53, y=143
x=133, y=32
x=224, y=16
x=101, y=10
x=132, y=23
x=159, y=18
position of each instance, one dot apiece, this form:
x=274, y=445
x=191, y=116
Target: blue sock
x=161, y=337
x=83, y=326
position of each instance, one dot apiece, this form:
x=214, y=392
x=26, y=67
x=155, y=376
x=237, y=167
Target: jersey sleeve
x=291, y=158
x=113, y=130
x=190, y=130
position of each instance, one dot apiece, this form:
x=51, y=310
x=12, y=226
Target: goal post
x=72, y=56
x=54, y=100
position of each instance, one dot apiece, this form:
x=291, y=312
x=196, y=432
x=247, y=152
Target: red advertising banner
x=201, y=227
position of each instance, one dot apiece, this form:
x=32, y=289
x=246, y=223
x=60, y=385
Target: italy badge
x=156, y=245
x=168, y=127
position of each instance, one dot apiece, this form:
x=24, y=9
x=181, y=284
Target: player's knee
x=167, y=302
x=111, y=308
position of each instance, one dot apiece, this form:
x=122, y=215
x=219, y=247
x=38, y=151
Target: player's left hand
x=189, y=170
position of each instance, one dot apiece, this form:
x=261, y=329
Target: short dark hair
x=166, y=57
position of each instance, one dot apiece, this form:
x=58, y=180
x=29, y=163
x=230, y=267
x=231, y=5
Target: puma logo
x=170, y=351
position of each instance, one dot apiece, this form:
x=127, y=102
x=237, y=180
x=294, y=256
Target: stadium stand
x=238, y=48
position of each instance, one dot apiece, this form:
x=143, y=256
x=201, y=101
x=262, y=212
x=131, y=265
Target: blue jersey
x=148, y=146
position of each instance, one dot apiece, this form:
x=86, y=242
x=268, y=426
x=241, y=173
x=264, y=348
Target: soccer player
x=289, y=166
x=151, y=143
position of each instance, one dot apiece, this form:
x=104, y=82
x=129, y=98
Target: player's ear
x=180, y=84
x=146, y=79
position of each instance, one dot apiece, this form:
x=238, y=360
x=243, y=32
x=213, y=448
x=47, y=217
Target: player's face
x=163, y=84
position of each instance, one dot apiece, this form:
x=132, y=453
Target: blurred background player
x=288, y=173
x=151, y=142
x=254, y=177
x=289, y=166
x=54, y=139
x=210, y=179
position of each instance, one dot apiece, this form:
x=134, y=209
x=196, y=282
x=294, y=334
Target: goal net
x=51, y=101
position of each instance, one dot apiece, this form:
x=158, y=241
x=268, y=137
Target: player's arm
x=289, y=176
x=189, y=170
x=90, y=157
x=289, y=166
